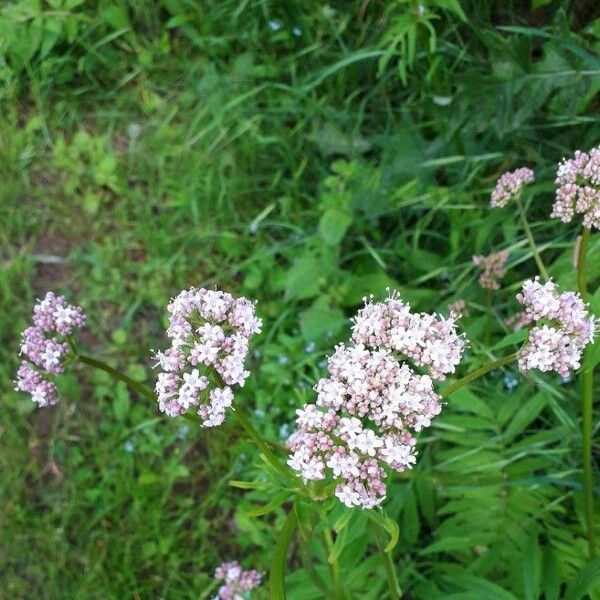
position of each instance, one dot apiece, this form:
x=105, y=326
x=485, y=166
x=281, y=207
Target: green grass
x=275, y=150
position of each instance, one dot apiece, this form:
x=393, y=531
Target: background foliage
x=304, y=154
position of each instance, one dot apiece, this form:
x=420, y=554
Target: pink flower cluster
x=371, y=400
x=459, y=308
x=237, y=581
x=493, y=269
x=430, y=341
x=210, y=332
x=44, y=347
x=578, y=181
x=509, y=186
x=563, y=328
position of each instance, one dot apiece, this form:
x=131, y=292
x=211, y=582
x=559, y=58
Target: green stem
x=388, y=565
x=334, y=568
x=587, y=388
x=309, y=567
x=134, y=385
x=581, y=266
x=450, y=389
x=489, y=317
x=241, y=417
x=247, y=426
x=536, y=254
x=277, y=574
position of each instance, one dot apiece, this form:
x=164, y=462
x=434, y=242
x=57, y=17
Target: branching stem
x=496, y=364
x=536, y=254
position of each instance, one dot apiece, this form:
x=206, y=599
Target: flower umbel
x=493, y=269
x=44, y=346
x=578, y=192
x=459, y=308
x=210, y=332
x=563, y=328
x=509, y=186
x=236, y=581
x=372, y=400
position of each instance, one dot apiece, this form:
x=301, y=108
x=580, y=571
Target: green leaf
x=320, y=320
x=248, y=485
x=532, y=563
x=591, y=356
x=302, y=510
x=585, y=582
x=338, y=546
x=121, y=402
x=551, y=576
x=149, y=479
x=278, y=560
x=454, y=7
x=526, y=414
x=302, y=279
x=270, y=507
x=115, y=16
x=387, y=523
x=516, y=337
x=485, y=590
x=535, y=4
x=333, y=225
x=356, y=287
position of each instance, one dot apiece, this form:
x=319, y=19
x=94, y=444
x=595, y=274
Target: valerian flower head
x=563, y=328
x=493, y=269
x=578, y=191
x=458, y=308
x=210, y=333
x=236, y=581
x=372, y=400
x=509, y=186
x=44, y=347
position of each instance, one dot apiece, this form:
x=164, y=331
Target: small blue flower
x=183, y=431
x=510, y=382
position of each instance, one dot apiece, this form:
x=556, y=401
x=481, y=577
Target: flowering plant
x=384, y=386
